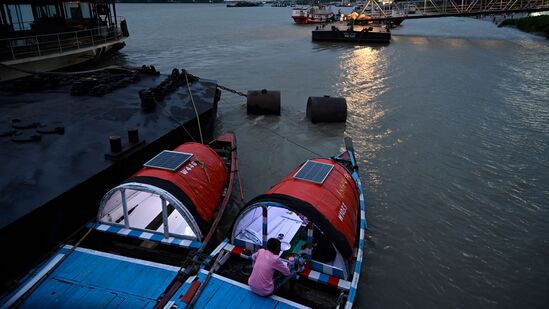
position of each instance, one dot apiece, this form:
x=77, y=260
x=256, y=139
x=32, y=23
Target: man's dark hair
x=273, y=245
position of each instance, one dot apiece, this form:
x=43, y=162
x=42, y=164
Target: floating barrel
x=263, y=102
x=176, y=193
x=326, y=109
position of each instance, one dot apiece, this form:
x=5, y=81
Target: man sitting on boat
x=265, y=263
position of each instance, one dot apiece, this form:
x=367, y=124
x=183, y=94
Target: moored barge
x=341, y=32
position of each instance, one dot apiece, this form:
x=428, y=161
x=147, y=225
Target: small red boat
x=177, y=194
x=314, y=14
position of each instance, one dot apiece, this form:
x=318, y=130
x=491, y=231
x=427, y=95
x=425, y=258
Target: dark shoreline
x=170, y=1
x=532, y=24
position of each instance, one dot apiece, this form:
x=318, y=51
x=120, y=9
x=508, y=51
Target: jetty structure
x=38, y=36
x=67, y=139
x=396, y=12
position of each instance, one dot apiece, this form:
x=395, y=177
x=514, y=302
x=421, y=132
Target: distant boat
x=147, y=231
x=62, y=33
x=359, y=33
x=239, y=4
x=313, y=14
x=362, y=14
x=318, y=214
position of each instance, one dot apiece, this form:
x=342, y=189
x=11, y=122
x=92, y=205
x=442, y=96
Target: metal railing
x=47, y=44
x=439, y=8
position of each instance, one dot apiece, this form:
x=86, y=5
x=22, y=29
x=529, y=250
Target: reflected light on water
x=418, y=40
x=456, y=42
x=362, y=81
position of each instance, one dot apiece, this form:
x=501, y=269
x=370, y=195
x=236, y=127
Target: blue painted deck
x=221, y=292
x=91, y=279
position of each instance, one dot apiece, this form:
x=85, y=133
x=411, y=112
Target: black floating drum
x=326, y=109
x=263, y=102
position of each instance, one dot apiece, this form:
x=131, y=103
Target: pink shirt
x=261, y=279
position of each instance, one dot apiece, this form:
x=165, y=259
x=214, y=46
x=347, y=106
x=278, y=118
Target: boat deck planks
x=221, y=292
x=131, y=282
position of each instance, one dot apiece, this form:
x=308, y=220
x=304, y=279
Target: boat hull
x=303, y=21
x=300, y=20
x=351, y=36
x=14, y=69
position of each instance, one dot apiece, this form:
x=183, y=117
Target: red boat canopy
x=331, y=203
x=189, y=181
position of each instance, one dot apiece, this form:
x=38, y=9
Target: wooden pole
x=205, y=282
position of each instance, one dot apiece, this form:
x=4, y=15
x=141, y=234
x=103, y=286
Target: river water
x=450, y=122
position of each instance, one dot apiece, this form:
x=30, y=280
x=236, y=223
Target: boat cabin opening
x=172, y=199
x=298, y=236
x=312, y=211
x=144, y=207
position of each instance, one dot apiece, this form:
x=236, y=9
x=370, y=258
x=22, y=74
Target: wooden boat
x=318, y=213
x=147, y=231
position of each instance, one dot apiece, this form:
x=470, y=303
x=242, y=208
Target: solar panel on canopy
x=169, y=160
x=314, y=171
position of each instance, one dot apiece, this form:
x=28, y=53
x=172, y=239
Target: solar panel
x=314, y=171
x=169, y=160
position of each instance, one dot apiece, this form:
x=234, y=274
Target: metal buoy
x=326, y=109
x=263, y=102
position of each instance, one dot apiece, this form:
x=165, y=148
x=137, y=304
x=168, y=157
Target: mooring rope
x=179, y=123
x=289, y=140
x=194, y=106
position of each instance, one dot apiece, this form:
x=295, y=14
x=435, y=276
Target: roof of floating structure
x=55, y=141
